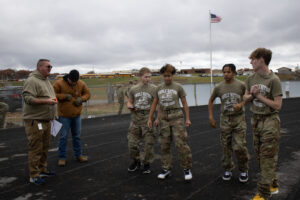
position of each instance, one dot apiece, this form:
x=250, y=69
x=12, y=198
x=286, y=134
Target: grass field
x=193, y=79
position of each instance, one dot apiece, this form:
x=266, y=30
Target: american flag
x=214, y=18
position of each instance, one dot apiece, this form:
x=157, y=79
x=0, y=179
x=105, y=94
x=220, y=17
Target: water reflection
x=198, y=94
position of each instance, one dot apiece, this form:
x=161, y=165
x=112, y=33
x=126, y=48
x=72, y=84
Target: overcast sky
x=107, y=35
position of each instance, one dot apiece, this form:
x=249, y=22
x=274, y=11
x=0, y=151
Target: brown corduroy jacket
x=68, y=108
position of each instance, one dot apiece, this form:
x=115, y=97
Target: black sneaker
x=135, y=165
x=164, y=174
x=37, y=180
x=187, y=174
x=243, y=177
x=227, y=176
x=47, y=173
x=146, y=169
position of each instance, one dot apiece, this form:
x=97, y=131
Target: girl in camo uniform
x=172, y=124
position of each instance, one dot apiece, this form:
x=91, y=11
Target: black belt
x=262, y=116
x=42, y=120
x=143, y=111
x=169, y=111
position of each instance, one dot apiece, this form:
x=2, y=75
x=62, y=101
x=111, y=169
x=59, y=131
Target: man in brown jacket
x=70, y=92
x=39, y=109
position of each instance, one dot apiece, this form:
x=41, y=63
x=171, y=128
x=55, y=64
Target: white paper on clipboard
x=55, y=127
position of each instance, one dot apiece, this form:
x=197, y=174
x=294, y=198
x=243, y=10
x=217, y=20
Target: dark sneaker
x=164, y=174
x=47, y=173
x=135, y=165
x=243, y=177
x=37, y=180
x=146, y=169
x=227, y=176
x=187, y=174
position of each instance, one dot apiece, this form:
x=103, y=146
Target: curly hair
x=231, y=66
x=168, y=68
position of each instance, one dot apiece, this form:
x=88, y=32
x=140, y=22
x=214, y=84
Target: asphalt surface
x=105, y=176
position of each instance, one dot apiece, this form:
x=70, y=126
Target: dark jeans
x=73, y=123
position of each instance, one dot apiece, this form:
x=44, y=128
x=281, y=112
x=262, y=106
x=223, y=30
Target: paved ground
x=105, y=176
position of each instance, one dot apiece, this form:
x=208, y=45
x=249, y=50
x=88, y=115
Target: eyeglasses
x=49, y=66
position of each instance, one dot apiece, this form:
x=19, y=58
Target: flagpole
x=210, y=47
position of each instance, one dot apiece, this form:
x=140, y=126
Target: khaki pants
x=38, y=144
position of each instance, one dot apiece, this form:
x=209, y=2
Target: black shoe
x=164, y=174
x=47, y=173
x=135, y=165
x=243, y=177
x=37, y=180
x=227, y=175
x=146, y=169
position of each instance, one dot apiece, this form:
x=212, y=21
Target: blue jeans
x=75, y=124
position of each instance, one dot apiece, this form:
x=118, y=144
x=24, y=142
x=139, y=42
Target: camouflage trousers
x=121, y=102
x=138, y=135
x=266, y=138
x=3, y=111
x=169, y=130
x=38, y=143
x=233, y=138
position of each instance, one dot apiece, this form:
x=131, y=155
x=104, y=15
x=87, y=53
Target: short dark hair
x=39, y=63
x=264, y=53
x=144, y=70
x=168, y=68
x=231, y=66
x=74, y=75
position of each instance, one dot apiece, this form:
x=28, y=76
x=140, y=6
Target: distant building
x=195, y=71
x=297, y=72
x=217, y=72
x=248, y=71
x=240, y=72
x=155, y=72
x=284, y=70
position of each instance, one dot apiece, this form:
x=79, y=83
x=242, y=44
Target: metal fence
x=104, y=100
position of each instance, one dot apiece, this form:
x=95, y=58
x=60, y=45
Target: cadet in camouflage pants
x=3, y=111
x=232, y=122
x=233, y=129
x=172, y=124
x=264, y=91
x=140, y=98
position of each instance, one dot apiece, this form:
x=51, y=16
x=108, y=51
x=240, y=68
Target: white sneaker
x=243, y=177
x=164, y=174
x=187, y=174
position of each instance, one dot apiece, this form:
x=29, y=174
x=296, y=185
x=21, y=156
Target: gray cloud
x=116, y=34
